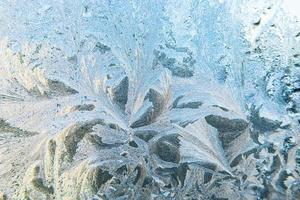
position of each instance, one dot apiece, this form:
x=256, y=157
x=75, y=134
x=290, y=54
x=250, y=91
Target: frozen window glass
x=149, y=99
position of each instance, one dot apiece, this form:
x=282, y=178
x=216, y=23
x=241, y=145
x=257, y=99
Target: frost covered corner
x=140, y=99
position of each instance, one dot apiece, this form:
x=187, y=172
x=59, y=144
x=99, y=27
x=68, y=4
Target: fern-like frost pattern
x=149, y=100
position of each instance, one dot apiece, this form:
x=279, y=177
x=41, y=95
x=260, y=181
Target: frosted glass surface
x=141, y=99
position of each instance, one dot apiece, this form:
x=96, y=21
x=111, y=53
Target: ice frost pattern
x=149, y=99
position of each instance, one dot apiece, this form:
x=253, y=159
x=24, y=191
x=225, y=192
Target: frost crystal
x=140, y=99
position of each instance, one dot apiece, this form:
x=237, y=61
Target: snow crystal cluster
x=142, y=99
